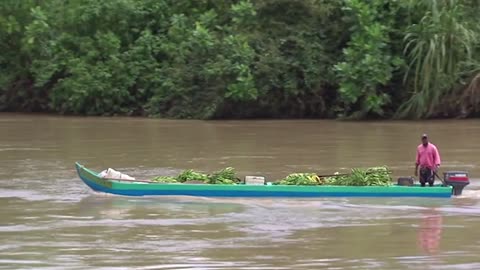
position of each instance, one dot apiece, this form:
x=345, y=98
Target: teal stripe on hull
x=91, y=179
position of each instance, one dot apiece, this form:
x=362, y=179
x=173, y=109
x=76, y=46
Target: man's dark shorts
x=426, y=176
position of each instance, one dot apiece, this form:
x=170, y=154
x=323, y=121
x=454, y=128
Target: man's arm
x=436, y=158
x=417, y=161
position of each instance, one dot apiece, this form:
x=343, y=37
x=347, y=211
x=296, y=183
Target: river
x=50, y=220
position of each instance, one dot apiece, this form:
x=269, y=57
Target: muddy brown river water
x=50, y=220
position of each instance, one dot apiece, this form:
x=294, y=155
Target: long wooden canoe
x=143, y=188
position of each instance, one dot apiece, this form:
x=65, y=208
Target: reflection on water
x=51, y=220
x=430, y=231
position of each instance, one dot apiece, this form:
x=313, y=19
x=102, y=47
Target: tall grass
x=435, y=47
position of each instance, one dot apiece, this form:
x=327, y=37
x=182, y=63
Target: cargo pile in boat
x=222, y=177
x=374, y=176
x=304, y=179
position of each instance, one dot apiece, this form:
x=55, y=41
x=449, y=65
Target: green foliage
x=16, y=83
x=369, y=62
x=238, y=58
x=303, y=179
x=292, y=70
x=165, y=179
x=436, y=47
x=205, y=65
x=375, y=176
x=190, y=175
x=225, y=176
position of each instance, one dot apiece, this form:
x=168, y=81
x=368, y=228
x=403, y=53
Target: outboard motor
x=457, y=179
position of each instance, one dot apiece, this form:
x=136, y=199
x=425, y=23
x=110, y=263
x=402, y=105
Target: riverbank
x=119, y=116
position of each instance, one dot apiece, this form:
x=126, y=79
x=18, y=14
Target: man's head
x=425, y=139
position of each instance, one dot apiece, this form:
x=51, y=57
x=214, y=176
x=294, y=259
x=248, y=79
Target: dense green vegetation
x=239, y=58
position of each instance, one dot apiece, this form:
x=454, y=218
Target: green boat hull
x=133, y=188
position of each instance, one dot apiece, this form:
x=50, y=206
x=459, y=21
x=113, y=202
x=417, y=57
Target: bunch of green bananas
x=165, y=179
x=374, y=176
x=303, y=179
x=223, y=177
x=190, y=175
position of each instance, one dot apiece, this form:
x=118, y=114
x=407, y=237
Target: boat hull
x=119, y=187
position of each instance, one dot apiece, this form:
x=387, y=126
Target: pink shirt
x=428, y=156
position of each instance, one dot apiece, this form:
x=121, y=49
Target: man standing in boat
x=428, y=159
